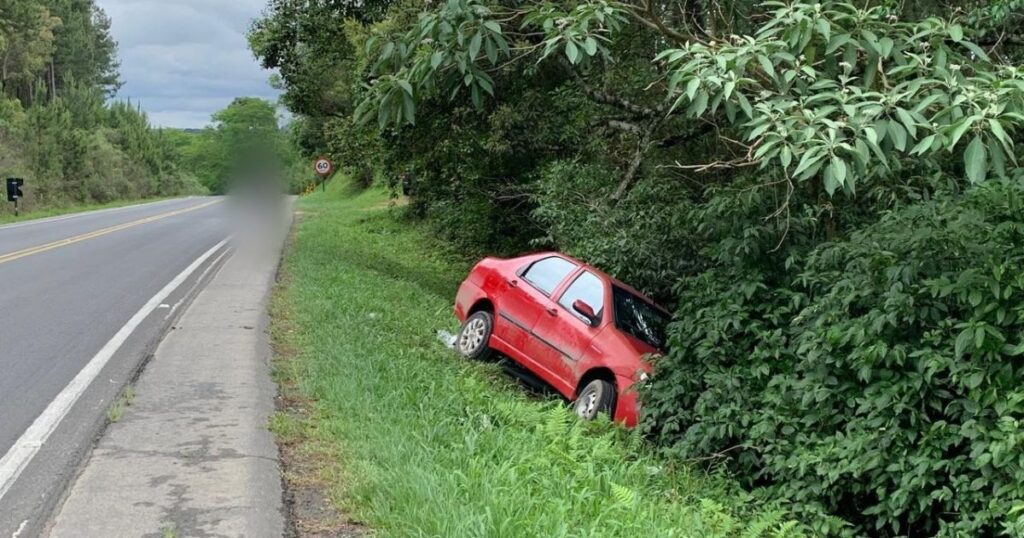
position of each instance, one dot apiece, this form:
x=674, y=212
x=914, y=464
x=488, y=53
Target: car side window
x=548, y=273
x=587, y=288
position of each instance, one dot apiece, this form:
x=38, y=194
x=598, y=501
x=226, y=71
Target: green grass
x=415, y=441
x=8, y=217
x=116, y=410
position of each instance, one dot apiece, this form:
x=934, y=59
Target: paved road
x=68, y=286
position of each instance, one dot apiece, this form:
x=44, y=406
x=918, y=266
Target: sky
x=183, y=60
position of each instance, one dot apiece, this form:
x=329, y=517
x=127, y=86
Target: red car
x=581, y=331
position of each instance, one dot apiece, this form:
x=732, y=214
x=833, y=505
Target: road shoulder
x=191, y=455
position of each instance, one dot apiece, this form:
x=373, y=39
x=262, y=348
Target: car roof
x=605, y=276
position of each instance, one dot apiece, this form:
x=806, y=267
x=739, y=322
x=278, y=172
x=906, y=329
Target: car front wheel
x=475, y=336
x=597, y=398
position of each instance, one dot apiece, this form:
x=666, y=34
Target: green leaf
x=474, y=45
x=1000, y=133
x=786, y=156
x=409, y=107
x=924, y=146
x=809, y=159
x=976, y=50
x=839, y=170
x=871, y=134
x=493, y=26
x=885, y=46
x=491, y=51
x=386, y=52
x=699, y=104
x=961, y=129
x=766, y=64
x=745, y=105
x=572, y=51
x=478, y=100
x=692, y=87
x=962, y=341
x=908, y=121
x=976, y=160
x=956, y=33
x=590, y=45
x=899, y=136
x=829, y=179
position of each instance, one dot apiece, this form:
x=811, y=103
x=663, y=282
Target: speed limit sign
x=324, y=167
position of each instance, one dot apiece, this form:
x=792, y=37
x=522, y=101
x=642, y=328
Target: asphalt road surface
x=70, y=289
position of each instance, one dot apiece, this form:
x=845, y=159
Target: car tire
x=597, y=398
x=474, y=338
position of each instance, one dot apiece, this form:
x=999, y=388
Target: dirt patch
x=311, y=513
x=304, y=461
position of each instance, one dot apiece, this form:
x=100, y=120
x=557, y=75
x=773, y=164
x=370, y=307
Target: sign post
x=14, y=193
x=324, y=168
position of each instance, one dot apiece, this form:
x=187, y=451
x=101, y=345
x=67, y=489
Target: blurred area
x=251, y=161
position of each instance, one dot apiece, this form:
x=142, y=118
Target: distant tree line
x=828, y=194
x=58, y=68
x=245, y=141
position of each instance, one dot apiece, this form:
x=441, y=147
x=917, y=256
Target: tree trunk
x=633, y=172
x=52, y=79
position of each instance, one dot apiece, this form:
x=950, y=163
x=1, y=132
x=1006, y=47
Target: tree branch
x=612, y=100
x=645, y=16
x=625, y=126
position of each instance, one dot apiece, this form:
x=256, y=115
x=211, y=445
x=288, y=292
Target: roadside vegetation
x=57, y=129
x=827, y=193
x=415, y=441
x=6, y=218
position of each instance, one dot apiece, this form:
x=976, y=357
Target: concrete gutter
x=192, y=456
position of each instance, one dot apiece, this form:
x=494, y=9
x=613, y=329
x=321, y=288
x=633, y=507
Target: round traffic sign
x=324, y=167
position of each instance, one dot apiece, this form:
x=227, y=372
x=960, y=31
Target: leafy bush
x=879, y=379
x=420, y=443
x=646, y=239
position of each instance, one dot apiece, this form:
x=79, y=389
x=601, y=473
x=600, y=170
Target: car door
x=522, y=301
x=561, y=334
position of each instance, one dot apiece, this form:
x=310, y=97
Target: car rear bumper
x=627, y=407
x=469, y=293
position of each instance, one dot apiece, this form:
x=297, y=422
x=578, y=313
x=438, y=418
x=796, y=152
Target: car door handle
x=553, y=312
x=513, y=283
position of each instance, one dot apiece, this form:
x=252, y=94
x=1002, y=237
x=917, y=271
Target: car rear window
x=638, y=318
x=548, y=273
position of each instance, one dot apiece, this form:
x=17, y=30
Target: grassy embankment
x=7, y=215
x=413, y=441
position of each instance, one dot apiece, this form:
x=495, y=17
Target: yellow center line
x=72, y=240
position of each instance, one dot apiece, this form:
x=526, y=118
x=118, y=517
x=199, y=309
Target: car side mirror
x=586, y=311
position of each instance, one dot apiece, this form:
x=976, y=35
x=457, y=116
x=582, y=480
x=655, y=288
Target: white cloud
x=183, y=60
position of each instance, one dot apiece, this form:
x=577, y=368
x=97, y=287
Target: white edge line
x=198, y=282
x=26, y=447
x=58, y=218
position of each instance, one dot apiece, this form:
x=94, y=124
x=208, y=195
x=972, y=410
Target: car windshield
x=638, y=318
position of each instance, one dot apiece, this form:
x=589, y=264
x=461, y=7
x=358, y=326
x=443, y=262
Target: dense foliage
x=58, y=66
x=826, y=192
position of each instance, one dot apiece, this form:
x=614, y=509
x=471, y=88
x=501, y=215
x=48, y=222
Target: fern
x=761, y=526
x=624, y=495
x=789, y=529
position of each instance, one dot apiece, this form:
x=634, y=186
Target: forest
x=826, y=193
x=59, y=130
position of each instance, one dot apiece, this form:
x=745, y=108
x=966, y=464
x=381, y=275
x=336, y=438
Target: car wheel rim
x=473, y=336
x=586, y=406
